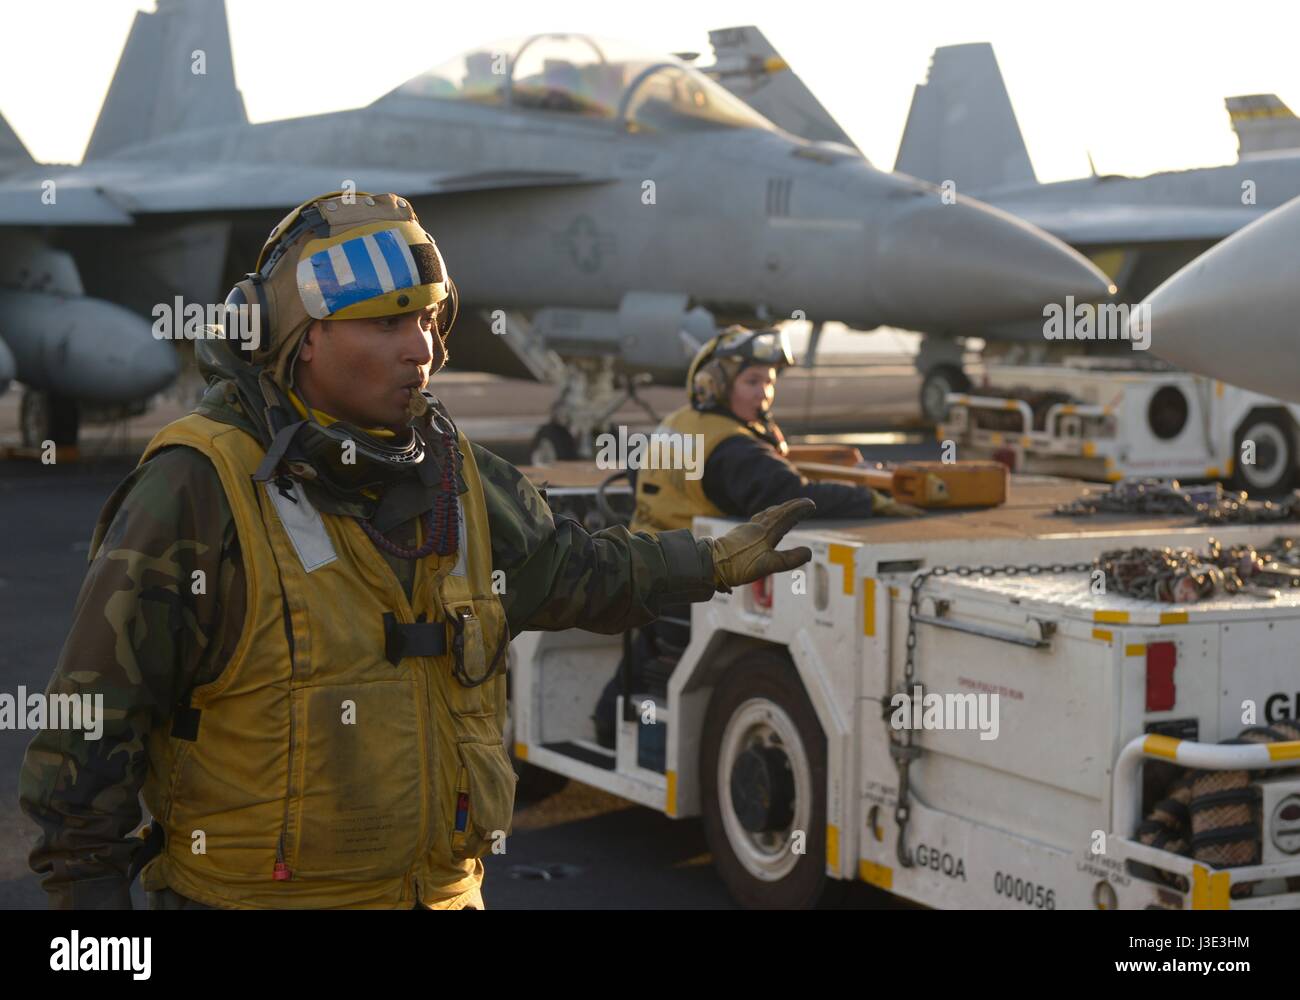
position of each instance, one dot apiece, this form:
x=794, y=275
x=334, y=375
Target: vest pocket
x=478, y=635
x=484, y=801
x=357, y=811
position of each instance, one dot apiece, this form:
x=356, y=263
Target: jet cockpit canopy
x=586, y=77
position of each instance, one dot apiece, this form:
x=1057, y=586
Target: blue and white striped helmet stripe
x=355, y=270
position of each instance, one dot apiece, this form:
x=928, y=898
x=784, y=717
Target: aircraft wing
x=34, y=203
x=114, y=195
x=1106, y=225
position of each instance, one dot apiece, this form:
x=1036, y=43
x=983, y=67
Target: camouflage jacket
x=144, y=638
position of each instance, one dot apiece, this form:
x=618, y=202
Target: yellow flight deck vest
x=665, y=498
x=323, y=774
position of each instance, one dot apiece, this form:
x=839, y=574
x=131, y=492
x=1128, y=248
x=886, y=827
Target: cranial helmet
x=342, y=255
x=717, y=364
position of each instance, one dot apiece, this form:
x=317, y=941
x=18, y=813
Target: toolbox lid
x=1070, y=595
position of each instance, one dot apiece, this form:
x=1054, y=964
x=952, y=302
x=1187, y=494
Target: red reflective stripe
x=1162, y=658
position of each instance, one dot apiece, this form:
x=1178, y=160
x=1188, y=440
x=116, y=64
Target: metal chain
x=1183, y=575
x=1252, y=511
x=903, y=749
x=1209, y=504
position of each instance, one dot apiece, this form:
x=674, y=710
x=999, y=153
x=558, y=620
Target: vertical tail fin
x=13, y=154
x=1262, y=122
x=175, y=73
x=748, y=66
x=961, y=126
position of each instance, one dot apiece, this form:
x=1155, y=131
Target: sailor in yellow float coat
x=299, y=605
x=739, y=467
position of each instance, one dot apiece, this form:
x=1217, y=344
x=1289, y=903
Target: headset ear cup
x=266, y=305
x=256, y=322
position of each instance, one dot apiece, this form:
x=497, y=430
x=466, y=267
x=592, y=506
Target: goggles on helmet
x=769, y=346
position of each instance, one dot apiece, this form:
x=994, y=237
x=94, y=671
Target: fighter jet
x=961, y=129
x=1234, y=312
x=603, y=210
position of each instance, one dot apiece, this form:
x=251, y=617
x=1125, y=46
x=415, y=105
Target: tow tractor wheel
x=938, y=382
x=1274, y=468
x=44, y=416
x=552, y=443
x=763, y=778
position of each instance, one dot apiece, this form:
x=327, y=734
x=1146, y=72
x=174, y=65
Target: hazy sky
x=1139, y=84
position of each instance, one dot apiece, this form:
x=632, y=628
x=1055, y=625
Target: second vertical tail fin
x=961, y=127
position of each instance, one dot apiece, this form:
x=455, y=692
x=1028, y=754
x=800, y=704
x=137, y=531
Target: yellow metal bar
x=1161, y=746
x=842, y=556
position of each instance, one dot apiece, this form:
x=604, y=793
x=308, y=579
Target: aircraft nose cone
x=1234, y=312
x=964, y=265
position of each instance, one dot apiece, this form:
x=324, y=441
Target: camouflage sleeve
x=559, y=576
x=142, y=622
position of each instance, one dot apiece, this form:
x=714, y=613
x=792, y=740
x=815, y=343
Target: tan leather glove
x=748, y=552
x=883, y=505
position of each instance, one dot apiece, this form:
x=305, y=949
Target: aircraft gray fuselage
x=1193, y=206
x=742, y=220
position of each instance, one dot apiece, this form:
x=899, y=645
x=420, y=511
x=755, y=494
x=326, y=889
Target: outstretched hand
x=748, y=552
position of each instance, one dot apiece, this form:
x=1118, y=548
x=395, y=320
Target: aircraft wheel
x=938, y=382
x=552, y=443
x=1274, y=468
x=44, y=416
x=763, y=782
